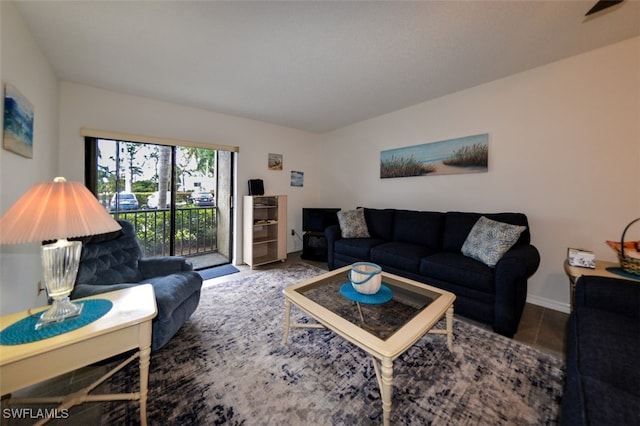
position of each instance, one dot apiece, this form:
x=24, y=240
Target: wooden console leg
x=449, y=316
x=386, y=389
x=287, y=318
x=4, y=403
x=145, y=356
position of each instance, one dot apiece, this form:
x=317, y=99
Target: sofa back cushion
x=380, y=223
x=422, y=228
x=457, y=226
x=107, y=261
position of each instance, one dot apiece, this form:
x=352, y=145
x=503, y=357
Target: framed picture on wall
x=469, y=154
x=297, y=178
x=18, y=122
x=275, y=162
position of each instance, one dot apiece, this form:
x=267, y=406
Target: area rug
x=217, y=271
x=227, y=365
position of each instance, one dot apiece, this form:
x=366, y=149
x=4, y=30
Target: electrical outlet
x=293, y=232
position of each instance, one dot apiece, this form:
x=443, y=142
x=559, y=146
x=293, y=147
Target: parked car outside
x=202, y=199
x=152, y=201
x=126, y=201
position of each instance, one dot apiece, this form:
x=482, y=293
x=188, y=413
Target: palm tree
x=134, y=168
x=164, y=174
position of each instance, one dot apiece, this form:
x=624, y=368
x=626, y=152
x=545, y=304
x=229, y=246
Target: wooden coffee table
x=385, y=330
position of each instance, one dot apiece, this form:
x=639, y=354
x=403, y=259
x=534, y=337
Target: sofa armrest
x=522, y=256
x=158, y=266
x=609, y=294
x=511, y=274
x=333, y=234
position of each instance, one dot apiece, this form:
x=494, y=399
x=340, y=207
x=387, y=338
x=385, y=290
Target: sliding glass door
x=178, y=198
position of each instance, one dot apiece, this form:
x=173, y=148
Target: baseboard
x=549, y=303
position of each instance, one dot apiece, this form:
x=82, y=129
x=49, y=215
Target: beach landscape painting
x=18, y=122
x=274, y=161
x=469, y=154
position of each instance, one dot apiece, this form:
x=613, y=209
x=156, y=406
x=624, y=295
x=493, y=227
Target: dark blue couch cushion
x=404, y=256
x=607, y=404
x=380, y=223
x=356, y=247
x=457, y=226
x=459, y=269
x=590, y=398
x=422, y=228
x=608, y=348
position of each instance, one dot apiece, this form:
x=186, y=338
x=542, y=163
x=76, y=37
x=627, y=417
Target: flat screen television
x=317, y=220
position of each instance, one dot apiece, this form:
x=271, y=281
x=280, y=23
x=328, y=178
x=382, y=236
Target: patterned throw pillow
x=353, y=224
x=489, y=240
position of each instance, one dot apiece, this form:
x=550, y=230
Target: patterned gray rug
x=227, y=366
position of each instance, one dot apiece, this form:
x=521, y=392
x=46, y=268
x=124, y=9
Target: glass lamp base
x=60, y=310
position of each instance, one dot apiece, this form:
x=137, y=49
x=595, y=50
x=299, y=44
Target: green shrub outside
x=195, y=228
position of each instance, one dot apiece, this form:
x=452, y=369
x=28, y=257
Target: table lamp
x=56, y=211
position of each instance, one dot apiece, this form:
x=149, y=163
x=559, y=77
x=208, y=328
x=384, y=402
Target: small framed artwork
x=275, y=162
x=297, y=178
x=581, y=258
x=18, y=122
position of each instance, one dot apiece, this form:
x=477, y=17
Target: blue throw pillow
x=489, y=240
x=353, y=224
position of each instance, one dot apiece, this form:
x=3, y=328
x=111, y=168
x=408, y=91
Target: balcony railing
x=195, y=233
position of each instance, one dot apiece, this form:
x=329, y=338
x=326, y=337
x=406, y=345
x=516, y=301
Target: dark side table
x=314, y=246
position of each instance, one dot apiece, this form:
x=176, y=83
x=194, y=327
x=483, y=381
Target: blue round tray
x=382, y=296
x=24, y=331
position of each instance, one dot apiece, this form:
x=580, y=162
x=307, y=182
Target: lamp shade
x=55, y=210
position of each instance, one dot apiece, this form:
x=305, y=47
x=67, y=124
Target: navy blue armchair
x=114, y=261
x=603, y=349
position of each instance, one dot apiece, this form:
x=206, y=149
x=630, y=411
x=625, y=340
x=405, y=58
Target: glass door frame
x=91, y=181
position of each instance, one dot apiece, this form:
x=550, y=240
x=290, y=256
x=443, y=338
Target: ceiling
x=312, y=65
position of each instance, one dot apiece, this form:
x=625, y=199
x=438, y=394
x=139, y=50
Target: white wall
x=83, y=106
x=564, y=148
x=25, y=67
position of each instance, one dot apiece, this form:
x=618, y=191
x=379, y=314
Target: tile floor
x=540, y=327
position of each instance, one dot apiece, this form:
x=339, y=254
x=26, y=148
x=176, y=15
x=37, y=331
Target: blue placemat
x=382, y=296
x=24, y=330
x=619, y=271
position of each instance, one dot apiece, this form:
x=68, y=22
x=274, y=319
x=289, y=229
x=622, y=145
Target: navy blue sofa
x=603, y=354
x=426, y=246
x=114, y=261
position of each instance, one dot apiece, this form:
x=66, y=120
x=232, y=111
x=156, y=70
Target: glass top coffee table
x=383, y=330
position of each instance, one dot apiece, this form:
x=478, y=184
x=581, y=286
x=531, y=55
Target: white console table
x=126, y=327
